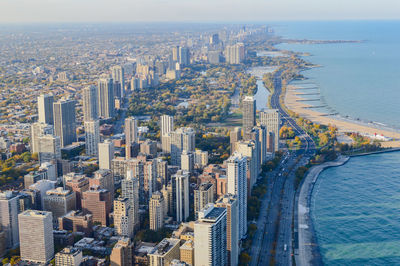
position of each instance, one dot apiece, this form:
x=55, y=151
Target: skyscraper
x=131, y=134
x=59, y=202
x=117, y=74
x=230, y=202
x=180, y=196
x=272, y=120
x=9, y=209
x=167, y=126
x=90, y=103
x=122, y=253
x=92, y=137
x=210, y=237
x=64, y=121
x=249, y=112
x=182, y=139
x=235, y=54
x=184, y=56
x=106, y=154
x=123, y=220
x=237, y=185
x=45, y=108
x=36, y=234
x=187, y=161
x=49, y=148
x=130, y=190
x=203, y=195
x=39, y=129
x=105, y=88
x=235, y=135
x=156, y=211
x=97, y=201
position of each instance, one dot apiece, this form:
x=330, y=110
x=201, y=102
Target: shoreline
x=306, y=248
x=295, y=103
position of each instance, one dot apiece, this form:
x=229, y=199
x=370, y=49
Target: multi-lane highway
x=272, y=243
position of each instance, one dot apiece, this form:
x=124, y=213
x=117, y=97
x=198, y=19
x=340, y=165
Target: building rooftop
x=164, y=246
x=34, y=213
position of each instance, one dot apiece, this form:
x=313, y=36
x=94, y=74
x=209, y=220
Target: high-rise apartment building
x=59, y=202
x=187, y=161
x=106, y=154
x=106, y=106
x=36, y=235
x=167, y=126
x=249, y=112
x=235, y=54
x=69, y=256
x=104, y=179
x=180, y=196
x=165, y=252
x=131, y=134
x=122, y=253
x=90, y=103
x=37, y=130
x=117, y=74
x=156, y=211
x=230, y=203
x=210, y=237
x=272, y=120
x=97, y=201
x=237, y=185
x=64, y=121
x=249, y=149
x=92, y=137
x=203, y=195
x=49, y=148
x=9, y=209
x=182, y=139
x=45, y=109
x=123, y=220
x=235, y=135
x=130, y=190
x=184, y=56
x=78, y=184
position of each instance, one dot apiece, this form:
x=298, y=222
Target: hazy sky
x=194, y=10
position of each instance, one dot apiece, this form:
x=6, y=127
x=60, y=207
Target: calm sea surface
x=355, y=207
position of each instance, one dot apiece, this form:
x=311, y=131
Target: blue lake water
x=355, y=207
x=360, y=80
x=356, y=211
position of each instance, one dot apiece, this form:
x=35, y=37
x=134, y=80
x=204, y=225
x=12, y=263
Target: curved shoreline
x=306, y=249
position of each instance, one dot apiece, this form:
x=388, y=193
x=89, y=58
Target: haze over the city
x=16, y=11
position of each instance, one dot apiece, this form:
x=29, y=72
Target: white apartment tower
x=106, y=154
x=92, y=137
x=237, y=185
x=36, y=234
x=210, y=237
x=180, y=195
x=45, y=108
x=90, y=103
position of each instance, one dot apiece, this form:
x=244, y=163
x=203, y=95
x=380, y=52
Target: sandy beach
x=300, y=107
